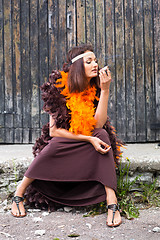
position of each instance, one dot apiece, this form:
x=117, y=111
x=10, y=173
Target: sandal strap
x=114, y=208
x=17, y=200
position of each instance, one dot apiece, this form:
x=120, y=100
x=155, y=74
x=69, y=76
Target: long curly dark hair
x=55, y=102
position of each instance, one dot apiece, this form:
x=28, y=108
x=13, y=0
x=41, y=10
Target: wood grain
x=130, y=65
x=2, y=96
x=35, y=36
x=16, y=79
x=8, y=72
x=156, y=16
x=43, y=52
x=34, y=66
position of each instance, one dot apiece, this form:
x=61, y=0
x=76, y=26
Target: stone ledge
x=144, y=161
x=15, y=159
x=143, y=157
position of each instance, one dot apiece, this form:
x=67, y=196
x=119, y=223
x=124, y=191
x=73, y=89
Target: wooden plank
x=43, y=52
x=20, y=131
x=34, y=55
x=2, y=135
x=120, y=68
x=109, y=53
x=8, y=71
x=100, y=33
x=26, y=135
x=94, y=28
x=113, y=97
x=71, y=24
x=104, y=29
x=18, y=135
x=139, y=68
x=144, y=67
x=2, y=103
x=16, y=78
x=156, y=7
x=25, y=69
x=81, y=22
x=57, y=34
x=62, y=34
x=53, y=33
x=35, y=134
x=75, y=21
x=130, y=73
x=108, y=6
x=90, y=22
x=150, y=101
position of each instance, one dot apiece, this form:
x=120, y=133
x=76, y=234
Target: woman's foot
x=18, y=209
x=114, y=217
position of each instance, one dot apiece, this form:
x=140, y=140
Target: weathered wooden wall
x=34, y=38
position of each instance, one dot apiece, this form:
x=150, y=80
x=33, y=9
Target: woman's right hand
x=99, y=145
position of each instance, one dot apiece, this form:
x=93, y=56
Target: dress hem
x=84, y=180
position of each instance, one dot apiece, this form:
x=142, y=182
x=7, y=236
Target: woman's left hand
x=105, y=78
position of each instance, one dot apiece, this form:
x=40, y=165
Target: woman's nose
x=95, y=63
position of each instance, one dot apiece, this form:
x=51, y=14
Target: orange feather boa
x=81, y=106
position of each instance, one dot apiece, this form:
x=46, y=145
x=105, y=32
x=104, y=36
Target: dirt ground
x=62, y=225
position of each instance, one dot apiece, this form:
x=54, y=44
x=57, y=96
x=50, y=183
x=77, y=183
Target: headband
x=80, y=56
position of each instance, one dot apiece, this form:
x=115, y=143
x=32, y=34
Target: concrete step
x=15, y=159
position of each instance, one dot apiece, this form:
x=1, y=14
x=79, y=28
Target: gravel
x=65, y=225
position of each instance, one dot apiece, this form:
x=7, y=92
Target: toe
x=109, y=223
x=117, y=219
x=15, y=211
x=17, y=214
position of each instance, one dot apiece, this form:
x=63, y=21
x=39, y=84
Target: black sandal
x=17, y=200
x=114, y=208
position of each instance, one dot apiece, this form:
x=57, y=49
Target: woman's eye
x=89, y=62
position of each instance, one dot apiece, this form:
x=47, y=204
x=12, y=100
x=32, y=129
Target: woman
x=74, y=163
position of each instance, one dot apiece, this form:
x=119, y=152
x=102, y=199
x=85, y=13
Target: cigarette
x=105, y=69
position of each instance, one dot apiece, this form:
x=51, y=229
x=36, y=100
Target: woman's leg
x=20, y=192
x=112, y=199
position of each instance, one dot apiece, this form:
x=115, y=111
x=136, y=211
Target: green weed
x=127, y=198
x=73, y=235
x=99, y=208
x=150, y=194
x=124, y=187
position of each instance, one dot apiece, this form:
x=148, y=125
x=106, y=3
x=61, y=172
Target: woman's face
x=90, y=65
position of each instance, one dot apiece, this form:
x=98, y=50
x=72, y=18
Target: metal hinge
x=69, y=20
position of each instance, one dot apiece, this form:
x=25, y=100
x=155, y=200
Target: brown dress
x=72, y=172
